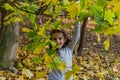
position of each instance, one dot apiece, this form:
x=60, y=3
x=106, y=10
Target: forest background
x=23, y=29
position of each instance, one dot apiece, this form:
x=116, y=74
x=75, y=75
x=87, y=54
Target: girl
x=65, y=50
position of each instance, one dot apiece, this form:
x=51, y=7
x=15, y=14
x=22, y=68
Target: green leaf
x=109, y=16
x=96, y=11
x=35, y=60
x=31, y=34
x=101, y=3
x=32, y=18
x=19, y=64
x=33, y=8
x=57, y=23
x=82, y=3
x=50, y=52
x=83, y=14
x=31, y=46
x=106, y=44
x=8, y=7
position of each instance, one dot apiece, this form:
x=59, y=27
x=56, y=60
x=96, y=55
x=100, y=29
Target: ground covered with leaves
x=94, y=64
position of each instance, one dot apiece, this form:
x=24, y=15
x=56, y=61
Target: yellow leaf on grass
x=26, y=29
x=62, y=66
x=106, y=44
x=41, y=31
x=39, y=49
x=68, y=75
x=40, y=74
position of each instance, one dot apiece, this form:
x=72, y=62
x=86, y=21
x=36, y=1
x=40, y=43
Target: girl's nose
x=57, y=41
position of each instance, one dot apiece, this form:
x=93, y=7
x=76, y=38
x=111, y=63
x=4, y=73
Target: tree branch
x=82, y=34
x=22, y=9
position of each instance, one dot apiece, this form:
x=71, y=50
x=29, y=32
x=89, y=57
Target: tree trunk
x=80, y=47
x=8, y=44
x=8, y=47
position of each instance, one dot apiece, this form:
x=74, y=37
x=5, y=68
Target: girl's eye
x=60, y=38
x=53, y=39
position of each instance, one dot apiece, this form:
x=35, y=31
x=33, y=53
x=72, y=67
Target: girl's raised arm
x=76, y=36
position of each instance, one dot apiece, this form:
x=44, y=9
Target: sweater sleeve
x=75, y=37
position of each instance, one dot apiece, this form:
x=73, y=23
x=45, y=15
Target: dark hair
x=64, y=34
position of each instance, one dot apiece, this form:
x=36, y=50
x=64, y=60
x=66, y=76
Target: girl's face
x=59, y=39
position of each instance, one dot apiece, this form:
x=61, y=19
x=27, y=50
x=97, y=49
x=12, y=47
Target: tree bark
x=8, y=43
